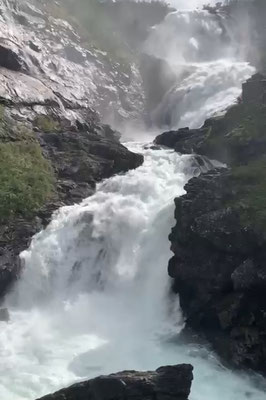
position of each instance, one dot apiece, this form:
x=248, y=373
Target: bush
x=47, y=124
x=26, y=179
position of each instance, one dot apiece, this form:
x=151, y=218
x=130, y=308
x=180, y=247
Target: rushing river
x=94, y=297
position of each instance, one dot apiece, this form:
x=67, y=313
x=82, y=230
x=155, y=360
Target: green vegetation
x=26, y=177
x=47, y=124
x=229, y=137
x=249, y=181
x=2, y=113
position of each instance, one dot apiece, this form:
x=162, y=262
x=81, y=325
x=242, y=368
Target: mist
x=94, y=295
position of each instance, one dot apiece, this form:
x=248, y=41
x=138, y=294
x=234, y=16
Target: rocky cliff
x=58, y=73
x=172, y=382
x=219, y=241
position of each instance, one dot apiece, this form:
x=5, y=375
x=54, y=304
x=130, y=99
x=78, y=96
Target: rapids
x=94, y=296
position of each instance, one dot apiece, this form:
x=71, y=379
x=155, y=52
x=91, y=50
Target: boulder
x=166, y=383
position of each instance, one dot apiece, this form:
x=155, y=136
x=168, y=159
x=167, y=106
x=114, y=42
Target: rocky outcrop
x=235, y=138
x=219, y=269
x=171, y=382
x=219, y=241
x=184, y=140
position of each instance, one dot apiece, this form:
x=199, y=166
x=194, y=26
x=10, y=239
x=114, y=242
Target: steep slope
x=219, y=239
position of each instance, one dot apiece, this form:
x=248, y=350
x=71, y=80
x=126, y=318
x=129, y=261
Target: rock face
x=219, y=241
x=52, y=79
x=58, y=66
x=219, y=270
x=171, y=382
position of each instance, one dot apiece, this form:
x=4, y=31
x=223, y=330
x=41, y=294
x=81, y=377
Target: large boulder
x=166, y=383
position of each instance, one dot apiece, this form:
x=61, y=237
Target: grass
x=249, y=182
x=26, y=177
x=46, y=123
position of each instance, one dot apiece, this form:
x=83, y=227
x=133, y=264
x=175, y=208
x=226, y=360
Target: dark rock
x=4, y=315
x=184, y=140
x=219, y=269
x=34, y=46
x=10, y=56
x=236, y=137
x=166, y=383
x=254, y=90
x=152, y=70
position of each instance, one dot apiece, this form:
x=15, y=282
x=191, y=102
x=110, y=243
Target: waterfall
x=208, y=62
x=94, y=295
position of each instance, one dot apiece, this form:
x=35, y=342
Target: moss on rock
x=249, y=183
x=47, y=124
x=236, y=136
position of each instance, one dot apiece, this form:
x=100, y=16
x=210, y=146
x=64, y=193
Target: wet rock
x=4, y=315
x=10, y=56
x=171, y=382
x=184, y=140
x=219, y=269
x=235, y=138
x=254, y=90
x=152, y=70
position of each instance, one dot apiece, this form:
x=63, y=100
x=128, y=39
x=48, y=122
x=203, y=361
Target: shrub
x=26, y=179
x=47, y=123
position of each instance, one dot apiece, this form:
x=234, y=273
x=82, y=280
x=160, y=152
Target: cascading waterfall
x=94, y=296
x=208, y=63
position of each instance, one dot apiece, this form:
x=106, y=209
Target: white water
x=208, y=62
x=94, y=297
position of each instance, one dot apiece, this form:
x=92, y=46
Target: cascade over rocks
x=219, y=240
x=79, y=159
x=171, y=382
x=50, y=84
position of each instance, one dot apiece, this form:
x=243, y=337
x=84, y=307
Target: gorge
x=84, y=278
